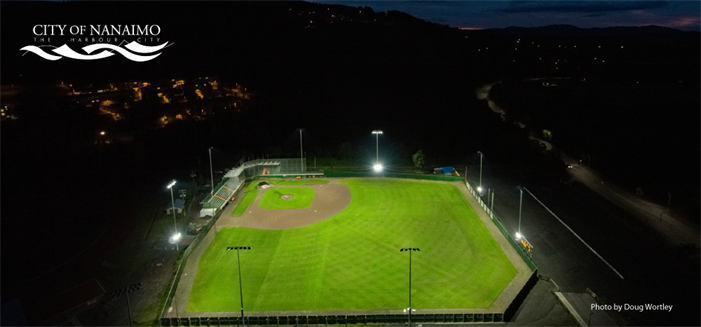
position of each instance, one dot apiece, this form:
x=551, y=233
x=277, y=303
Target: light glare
x=377, y=168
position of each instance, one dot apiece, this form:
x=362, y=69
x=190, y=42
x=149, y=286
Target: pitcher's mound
x=287, y=196
x=329, y=200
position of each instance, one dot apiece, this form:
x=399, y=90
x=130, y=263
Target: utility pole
x=301, y=153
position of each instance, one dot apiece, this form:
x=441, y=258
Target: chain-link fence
x=233, y=179
x=432, y=177
x=183, y=260
x=525, y=256
x=456, y=318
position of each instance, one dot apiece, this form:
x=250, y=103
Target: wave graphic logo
x=132, y=51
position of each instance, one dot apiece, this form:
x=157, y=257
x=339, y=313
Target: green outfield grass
x=352, y=260
x=302, y=197
x=249, y=195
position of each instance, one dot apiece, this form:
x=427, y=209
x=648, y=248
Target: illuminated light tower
x=301, y=153
x=176, y=236
x=479, y=188
x=211, y=173
x=238, y=256
x=520, y=202
x=409, y=309
x=377, y=167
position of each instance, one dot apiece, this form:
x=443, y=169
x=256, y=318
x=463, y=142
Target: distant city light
x=102, y=133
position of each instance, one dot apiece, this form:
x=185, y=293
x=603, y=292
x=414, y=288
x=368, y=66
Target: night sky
x=683, y=15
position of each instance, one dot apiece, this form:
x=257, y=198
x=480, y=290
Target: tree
x=419, y=159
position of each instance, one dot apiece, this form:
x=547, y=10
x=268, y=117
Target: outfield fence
x=183, y=259
x=461, y=318
x=432, y=177
x=526, y=258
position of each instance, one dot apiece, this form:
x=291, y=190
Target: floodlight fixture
x=171, y=184
x=377, y=168
x=518, y=236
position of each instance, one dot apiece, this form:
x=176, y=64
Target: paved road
x=675, y=230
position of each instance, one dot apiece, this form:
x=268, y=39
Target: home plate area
x=329, y=200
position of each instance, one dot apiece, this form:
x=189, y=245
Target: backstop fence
x=235, y=177
x=432, y=177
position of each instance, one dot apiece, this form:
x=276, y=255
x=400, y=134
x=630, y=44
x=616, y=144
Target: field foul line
x=575, y=234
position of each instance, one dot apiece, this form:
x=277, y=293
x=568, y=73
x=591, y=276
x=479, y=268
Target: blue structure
x=179, y=204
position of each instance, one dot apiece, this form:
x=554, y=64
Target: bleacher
x=236, y=172
x=232, y=181
x=223, y=194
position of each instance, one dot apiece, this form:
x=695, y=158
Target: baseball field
x=351, y=260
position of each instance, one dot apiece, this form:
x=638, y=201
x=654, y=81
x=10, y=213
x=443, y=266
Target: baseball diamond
x=341, y=253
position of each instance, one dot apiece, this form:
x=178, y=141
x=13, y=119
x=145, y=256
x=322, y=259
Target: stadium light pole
x=409, y=309
x=238, y=256
x=377, y=145
x=211, y=172
x=126, y=290
x=479, y=188
x=176, y=236
x=377, y=166
x=520, y=202
x=301, y=153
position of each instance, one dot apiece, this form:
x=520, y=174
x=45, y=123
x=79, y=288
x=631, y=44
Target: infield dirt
x=329, y=200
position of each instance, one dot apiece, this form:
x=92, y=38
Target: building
x=179, y=204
